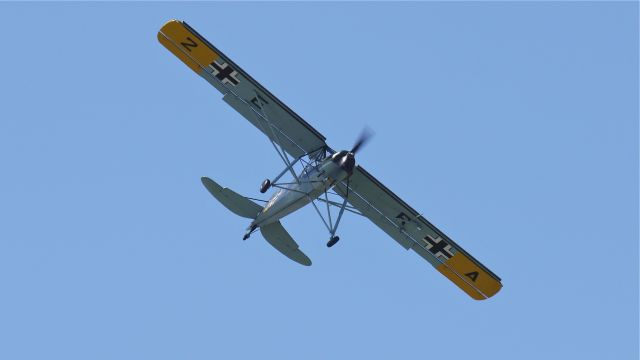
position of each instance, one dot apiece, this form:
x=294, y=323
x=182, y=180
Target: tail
x=274, y=233
x=236, y=203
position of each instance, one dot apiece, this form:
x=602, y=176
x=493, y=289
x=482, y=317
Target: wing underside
x=272, y=117
x=413, y=231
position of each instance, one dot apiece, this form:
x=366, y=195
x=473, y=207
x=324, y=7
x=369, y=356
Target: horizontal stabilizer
x=236, y=203
x=279, y=238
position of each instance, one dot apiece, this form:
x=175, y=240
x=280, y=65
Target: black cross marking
x=438, y=247
x=224, y=73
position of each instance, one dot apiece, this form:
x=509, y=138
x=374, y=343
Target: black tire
x=333, y=241
x=266, y=184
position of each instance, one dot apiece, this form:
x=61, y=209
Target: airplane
x=324, y=173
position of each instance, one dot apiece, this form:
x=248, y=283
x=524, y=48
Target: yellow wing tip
x=169, y=23
x=486, y=296
x=470, y=277
x=186, y=45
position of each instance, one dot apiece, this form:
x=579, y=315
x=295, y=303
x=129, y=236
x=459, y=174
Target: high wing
x=411, y=230
x=283, y=126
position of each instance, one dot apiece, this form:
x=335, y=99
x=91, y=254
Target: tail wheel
x=333, y=241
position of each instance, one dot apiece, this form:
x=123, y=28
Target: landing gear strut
x=266, y=184
x=333, y=241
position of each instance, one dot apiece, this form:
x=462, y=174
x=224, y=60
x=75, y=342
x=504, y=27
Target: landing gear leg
x=334, y=239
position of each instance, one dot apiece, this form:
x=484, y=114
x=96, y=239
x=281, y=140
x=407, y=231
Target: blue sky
x=512, y=126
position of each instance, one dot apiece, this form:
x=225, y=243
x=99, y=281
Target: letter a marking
x=472, y=275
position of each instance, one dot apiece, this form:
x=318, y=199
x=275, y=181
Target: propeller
x=347, y=159
x=364, y=138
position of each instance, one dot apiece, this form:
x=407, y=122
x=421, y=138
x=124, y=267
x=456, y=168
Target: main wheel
x=266, y=184
x=333, y=241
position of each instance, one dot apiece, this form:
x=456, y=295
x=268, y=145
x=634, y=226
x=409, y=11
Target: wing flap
x=375, y=216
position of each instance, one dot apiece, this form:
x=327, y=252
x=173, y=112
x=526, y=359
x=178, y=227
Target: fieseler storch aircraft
x=325, y=174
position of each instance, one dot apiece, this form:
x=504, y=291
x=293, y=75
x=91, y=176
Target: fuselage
x=312, y=182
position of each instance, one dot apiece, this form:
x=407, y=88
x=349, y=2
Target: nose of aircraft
x=346, y=159
x=348, y=162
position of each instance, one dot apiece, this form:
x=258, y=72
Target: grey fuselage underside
x=313, y=181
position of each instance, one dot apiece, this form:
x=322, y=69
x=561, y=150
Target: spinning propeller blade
x=364, y=138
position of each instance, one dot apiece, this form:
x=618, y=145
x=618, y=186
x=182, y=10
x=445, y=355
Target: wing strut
x=283, y=154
